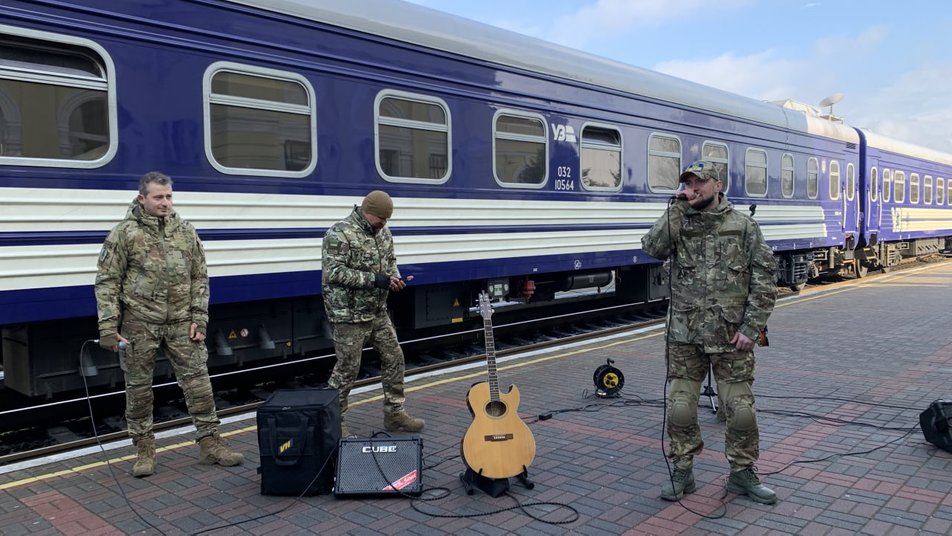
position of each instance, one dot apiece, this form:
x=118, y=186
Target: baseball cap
x=702, y=169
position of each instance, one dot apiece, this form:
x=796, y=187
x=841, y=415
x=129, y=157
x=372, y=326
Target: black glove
x=382, y=280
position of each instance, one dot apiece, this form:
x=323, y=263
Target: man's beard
x=705, y=204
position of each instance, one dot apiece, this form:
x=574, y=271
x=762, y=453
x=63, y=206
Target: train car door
x=838, y=192
x=874, y=208
x=851, y=205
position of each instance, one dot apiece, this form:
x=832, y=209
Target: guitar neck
x=491, y=360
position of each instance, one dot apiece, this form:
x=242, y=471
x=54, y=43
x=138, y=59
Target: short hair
x=153, y=177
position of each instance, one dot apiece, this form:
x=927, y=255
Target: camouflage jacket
x=351, y=257
x=152, y=270
x=723, y=274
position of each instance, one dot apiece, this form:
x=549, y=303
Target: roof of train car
x=420, y=25
x=878, y=141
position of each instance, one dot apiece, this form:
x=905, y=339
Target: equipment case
x=298, y=434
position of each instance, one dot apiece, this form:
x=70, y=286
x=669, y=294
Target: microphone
x=122, y=344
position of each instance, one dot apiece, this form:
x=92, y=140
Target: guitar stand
x=709, y=390
x=494, y=487
x=711, y=393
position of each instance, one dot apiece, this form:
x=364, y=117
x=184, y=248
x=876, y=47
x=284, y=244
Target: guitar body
x=498, y=443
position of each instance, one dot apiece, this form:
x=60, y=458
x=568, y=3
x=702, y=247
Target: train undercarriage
x=796, y=268
x=49, y=358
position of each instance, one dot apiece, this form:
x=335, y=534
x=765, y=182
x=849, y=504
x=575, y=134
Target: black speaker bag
x=935, y=423
x=298, y=432
x=380, y=466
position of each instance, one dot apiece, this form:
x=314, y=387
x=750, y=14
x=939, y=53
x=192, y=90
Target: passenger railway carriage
x=907, y=204
x=516, y=165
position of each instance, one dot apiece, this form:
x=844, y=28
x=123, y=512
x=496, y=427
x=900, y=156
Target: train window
x=57, y=101
x=601, y=158
x=927, y=189
x=717, y=153
x=755, y=172
x=260, y=121
x=887, y=185
x=850, y=181
x=913, y=188
x=787, y=179
x=874, y=184
x=520, y=149
x=664, y=162
x=939, y=191
x=834, y=179
x=413, y=137
x=899, y=185
x=813, y=178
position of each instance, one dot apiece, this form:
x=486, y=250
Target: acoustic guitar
x=498, y=443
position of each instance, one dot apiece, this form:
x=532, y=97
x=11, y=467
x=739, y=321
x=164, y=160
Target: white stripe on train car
x=46, y=266
x=906, y=219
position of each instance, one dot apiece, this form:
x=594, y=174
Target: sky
x=891, y=59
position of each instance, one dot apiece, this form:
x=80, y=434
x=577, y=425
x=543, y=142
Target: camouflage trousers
x=349, y=340
x=734, y=372
x=189, y=361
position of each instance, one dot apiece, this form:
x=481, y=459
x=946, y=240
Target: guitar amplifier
x=379, y=466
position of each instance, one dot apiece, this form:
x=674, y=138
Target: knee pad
x=683, y=412
x=745, y=419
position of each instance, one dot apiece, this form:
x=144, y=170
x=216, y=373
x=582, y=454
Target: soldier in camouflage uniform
x=359, y=270
x=152, y=294
x=723, y=288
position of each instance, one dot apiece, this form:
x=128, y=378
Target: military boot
x=213, y=450
x=145, y=457
x=401, y=422
x=745, y=482
x=680, y=483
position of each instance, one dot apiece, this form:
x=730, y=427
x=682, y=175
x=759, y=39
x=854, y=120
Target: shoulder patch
x=334, y=245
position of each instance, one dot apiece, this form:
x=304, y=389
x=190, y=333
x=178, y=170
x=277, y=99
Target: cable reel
x=608, y=380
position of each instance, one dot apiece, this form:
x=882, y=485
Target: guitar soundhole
x=495, y=409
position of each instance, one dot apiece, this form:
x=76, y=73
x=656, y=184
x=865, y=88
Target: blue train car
x=908, y=211
x=515, y=165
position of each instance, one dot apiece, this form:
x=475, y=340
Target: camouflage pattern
x=702, y=169
x=153, y=269
x=151, y=285
x=349, y=341
x=352, y=255
x=723, y=281
x=723, y=274
x=189, y=360
x=734, y=373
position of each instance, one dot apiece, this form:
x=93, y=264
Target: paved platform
x=839, y=389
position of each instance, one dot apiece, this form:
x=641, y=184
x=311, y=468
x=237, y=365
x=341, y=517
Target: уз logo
x=563, y=133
